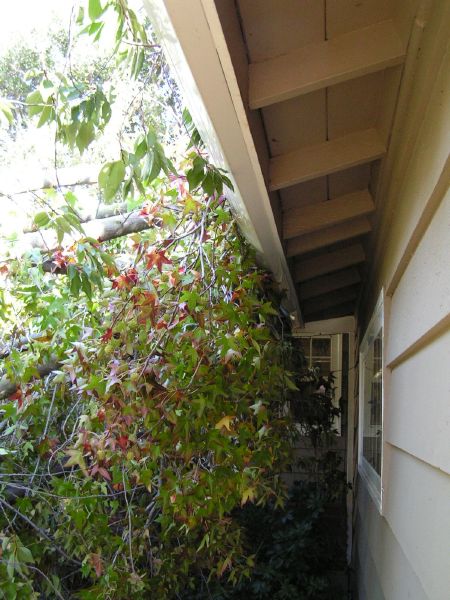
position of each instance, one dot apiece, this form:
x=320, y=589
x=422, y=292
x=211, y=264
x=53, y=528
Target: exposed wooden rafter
x=328, y=283
x=342, y=296
x=327, y=237
x=326, y=63
x=325, y=158
x=340, y=310
x=305, y=219
x=329, y=262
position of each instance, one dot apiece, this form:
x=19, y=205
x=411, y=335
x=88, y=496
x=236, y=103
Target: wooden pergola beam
x=329, y=262
x=305, y=219
x=328, y=283
x=326, y=63
x=325, y=158
x=327, y=237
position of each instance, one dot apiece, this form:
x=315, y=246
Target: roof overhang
x=195, y=47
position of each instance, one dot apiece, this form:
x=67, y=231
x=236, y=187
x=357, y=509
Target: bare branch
x=101, y=230
x=20, y=183
x=102, y=211
x=7, y=387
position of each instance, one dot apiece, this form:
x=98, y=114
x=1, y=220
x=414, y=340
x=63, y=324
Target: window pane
x=324, y=366
x=373, y=386
x=321, y=347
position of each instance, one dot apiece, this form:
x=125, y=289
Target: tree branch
x=18, y=183
x=102, y=212
x=7, y=387
x=101, y=230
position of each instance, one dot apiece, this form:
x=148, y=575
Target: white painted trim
x=329, y=326
x=368, y=474
x=350, y=466
x=194, y=45
x=336, y=368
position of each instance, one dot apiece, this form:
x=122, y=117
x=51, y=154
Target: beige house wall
x=403, y=551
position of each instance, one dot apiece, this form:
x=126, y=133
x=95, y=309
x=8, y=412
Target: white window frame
x=368, y=474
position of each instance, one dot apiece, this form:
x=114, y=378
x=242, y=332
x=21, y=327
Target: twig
x=130, y=530
x=40, y=531
x=33, y=568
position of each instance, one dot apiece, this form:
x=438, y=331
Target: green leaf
x=86, y=285
x=94, y=27
x=41, y=219
x=47, y=115
x=151, y=138
x=71, y=132
x=228, y=183
x=140, y=148
x=148, y=165
x=218, y=183
x=170, y=221
x=94, y=9
x=152, y=167
x=85, y=136
x=110, y=177
x=6, y=111
x=74, y=221
x=24, y=554
x=195, y=176
x=71, y=199
x=75, y=284
x=208, y=183
x=34, y=101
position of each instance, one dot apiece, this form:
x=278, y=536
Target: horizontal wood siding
x=380, y=559
x=403, y=552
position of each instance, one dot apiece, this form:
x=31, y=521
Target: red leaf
x=96, y=562
x=172, y=279
x=126, y=281
x=104, y=473
x=157, y=259
x=17, y=396
x=59, y=259
x=149, y=210
x=107, y=335
x=123, y=441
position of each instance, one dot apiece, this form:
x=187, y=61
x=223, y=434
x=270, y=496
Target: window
x=317, y=351
x=325, y=353
x=371, y=404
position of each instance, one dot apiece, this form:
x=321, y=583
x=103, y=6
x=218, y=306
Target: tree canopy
x=144, y=376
